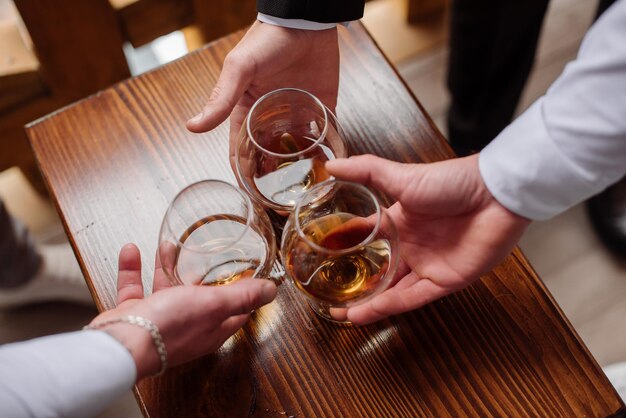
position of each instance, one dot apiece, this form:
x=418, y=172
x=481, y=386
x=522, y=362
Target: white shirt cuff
x=75, y=374
x=526, y=172
x=294, y=23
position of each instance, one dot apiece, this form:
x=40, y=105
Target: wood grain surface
x=499, y=348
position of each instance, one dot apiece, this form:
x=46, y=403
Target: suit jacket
x=323, y=11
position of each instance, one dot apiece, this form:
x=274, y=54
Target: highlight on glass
x=339, y=247
x=284, y=142
x=213, y=234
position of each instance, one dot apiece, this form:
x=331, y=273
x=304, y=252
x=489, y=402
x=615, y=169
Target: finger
x=237, y=117
x=404, y=280
x=388, y=176
x=339, y=314
x=227, y=328
x=396, y=300
x=164, y=260
x=409, y=280
x=129, y=285
x=238, y=298
x=235, y=78
x=402, y=272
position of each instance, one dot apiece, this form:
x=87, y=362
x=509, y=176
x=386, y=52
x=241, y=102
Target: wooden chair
x=423, y=10
x=77, y=51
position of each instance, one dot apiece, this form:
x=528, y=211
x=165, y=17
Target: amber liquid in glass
x=337, y=279
x=209, y=255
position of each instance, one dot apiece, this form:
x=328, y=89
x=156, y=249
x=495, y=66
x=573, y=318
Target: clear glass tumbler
x=339, y=247
x=284, y=142
x=213, y=234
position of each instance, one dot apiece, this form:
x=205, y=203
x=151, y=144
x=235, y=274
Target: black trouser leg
x=492, y=49
x=18, y=259
x=607, y=210
x=602, y=6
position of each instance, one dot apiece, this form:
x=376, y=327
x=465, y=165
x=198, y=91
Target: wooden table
x=502, y=347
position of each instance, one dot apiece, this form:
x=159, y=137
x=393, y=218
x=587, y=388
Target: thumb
x=235, y=78
x=390, y=177
x=239, y=298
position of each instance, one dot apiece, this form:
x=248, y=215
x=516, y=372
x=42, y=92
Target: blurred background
x=57, y=51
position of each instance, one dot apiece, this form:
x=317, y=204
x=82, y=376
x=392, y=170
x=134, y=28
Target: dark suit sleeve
x=322, y=11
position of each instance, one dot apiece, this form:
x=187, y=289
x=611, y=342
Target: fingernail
x=196, y=118
x=333, y=164
x=268, y=292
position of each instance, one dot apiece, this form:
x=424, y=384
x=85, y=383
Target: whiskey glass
x=283, y=144
x=339, y=247
x=213, y=234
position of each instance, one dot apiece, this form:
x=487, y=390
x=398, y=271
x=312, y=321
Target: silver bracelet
x=145, y=324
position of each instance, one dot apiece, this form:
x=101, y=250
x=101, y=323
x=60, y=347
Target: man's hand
x=268, y=58
x=451, y=229
x=193, y=320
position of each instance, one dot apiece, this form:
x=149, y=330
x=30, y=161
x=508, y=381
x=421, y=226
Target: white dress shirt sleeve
x=75, y=374
x=571, y=143
x=296, y=23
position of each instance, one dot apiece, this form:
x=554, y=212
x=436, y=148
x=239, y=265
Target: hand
x=268, y=58
x=451, y=229
x=193, y=320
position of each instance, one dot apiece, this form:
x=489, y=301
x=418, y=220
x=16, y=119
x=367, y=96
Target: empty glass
x=213, y=234
x=284, y=142
x=339, y=247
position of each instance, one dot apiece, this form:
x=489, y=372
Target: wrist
x=490, y=197
x=295, y=23
x=136, y=343
x=140, y=346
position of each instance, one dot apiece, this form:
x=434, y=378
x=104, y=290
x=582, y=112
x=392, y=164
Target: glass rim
x=246, y=199
x=343, y=251
x=293, y=154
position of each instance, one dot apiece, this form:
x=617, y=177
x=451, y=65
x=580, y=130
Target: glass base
x=335, y=315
